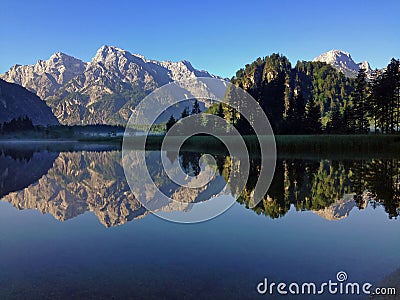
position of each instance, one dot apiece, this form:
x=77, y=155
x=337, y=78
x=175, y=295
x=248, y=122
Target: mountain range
x=106, y=89
x=68, y=184
x=102, y=91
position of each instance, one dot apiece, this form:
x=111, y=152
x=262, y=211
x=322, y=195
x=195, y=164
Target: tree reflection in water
x=314, y=185
x=67, y=184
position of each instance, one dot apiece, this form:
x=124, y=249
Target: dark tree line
x=311, y=184
x=354, y=117
x=17, y=124
x=314, y=98
x=185, y=113
x=296, y=100
x=384, y=98
x=374, y=104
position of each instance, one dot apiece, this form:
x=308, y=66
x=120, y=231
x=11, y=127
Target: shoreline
x=341, y=146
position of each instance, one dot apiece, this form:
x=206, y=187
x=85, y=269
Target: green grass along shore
x=354, y=146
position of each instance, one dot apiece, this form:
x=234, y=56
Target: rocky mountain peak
x=365, y=65
x=60, y=59
x=187, y=64
x=334, y=55
x=106, y=51
x=61, y=56
x=338, y=59
x=343, y=62
x=46, y=76
x=111, y=52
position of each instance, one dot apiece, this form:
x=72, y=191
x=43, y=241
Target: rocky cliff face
x=46, y=76
x=16, y=101
x=343, y=62
x=104, y=90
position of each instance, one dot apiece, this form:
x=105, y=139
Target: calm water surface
x=70, y=227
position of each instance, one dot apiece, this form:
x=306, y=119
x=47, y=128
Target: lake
x=71, y=227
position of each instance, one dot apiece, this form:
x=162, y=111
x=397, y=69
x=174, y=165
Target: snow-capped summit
x=343, y=62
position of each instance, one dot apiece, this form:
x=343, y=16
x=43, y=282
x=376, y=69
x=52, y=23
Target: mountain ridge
x=44, y=77
x=103, y=90
x=16, y=102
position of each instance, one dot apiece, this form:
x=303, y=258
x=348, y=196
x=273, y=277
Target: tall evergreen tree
x=349, y=120
x=196, y=107
x=185, y=113
x=393, y=88
x=313, y=118
x=220, y=111
x=171, y=122
x=196, y=110
x=295, y=119
x=273, y=99
x=385, y=98
x=359, y=99
x=336, y=125
x=372, y=103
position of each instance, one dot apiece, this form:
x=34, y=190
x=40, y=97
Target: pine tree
x=349, y=120
x=220, y=111
x=185, y=113
x=376, y=101
x=171, y=122
x=385, y=98
x=312, y=119
x=359, y=99
x=196, y=107
x=393, y=88
x=373, y=107
x=336, y=124
x=295, y=119
x=273, y=99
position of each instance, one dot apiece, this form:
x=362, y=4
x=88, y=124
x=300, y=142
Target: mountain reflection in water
x=68, y=184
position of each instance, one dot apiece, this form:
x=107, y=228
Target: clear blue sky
x=219, y=36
